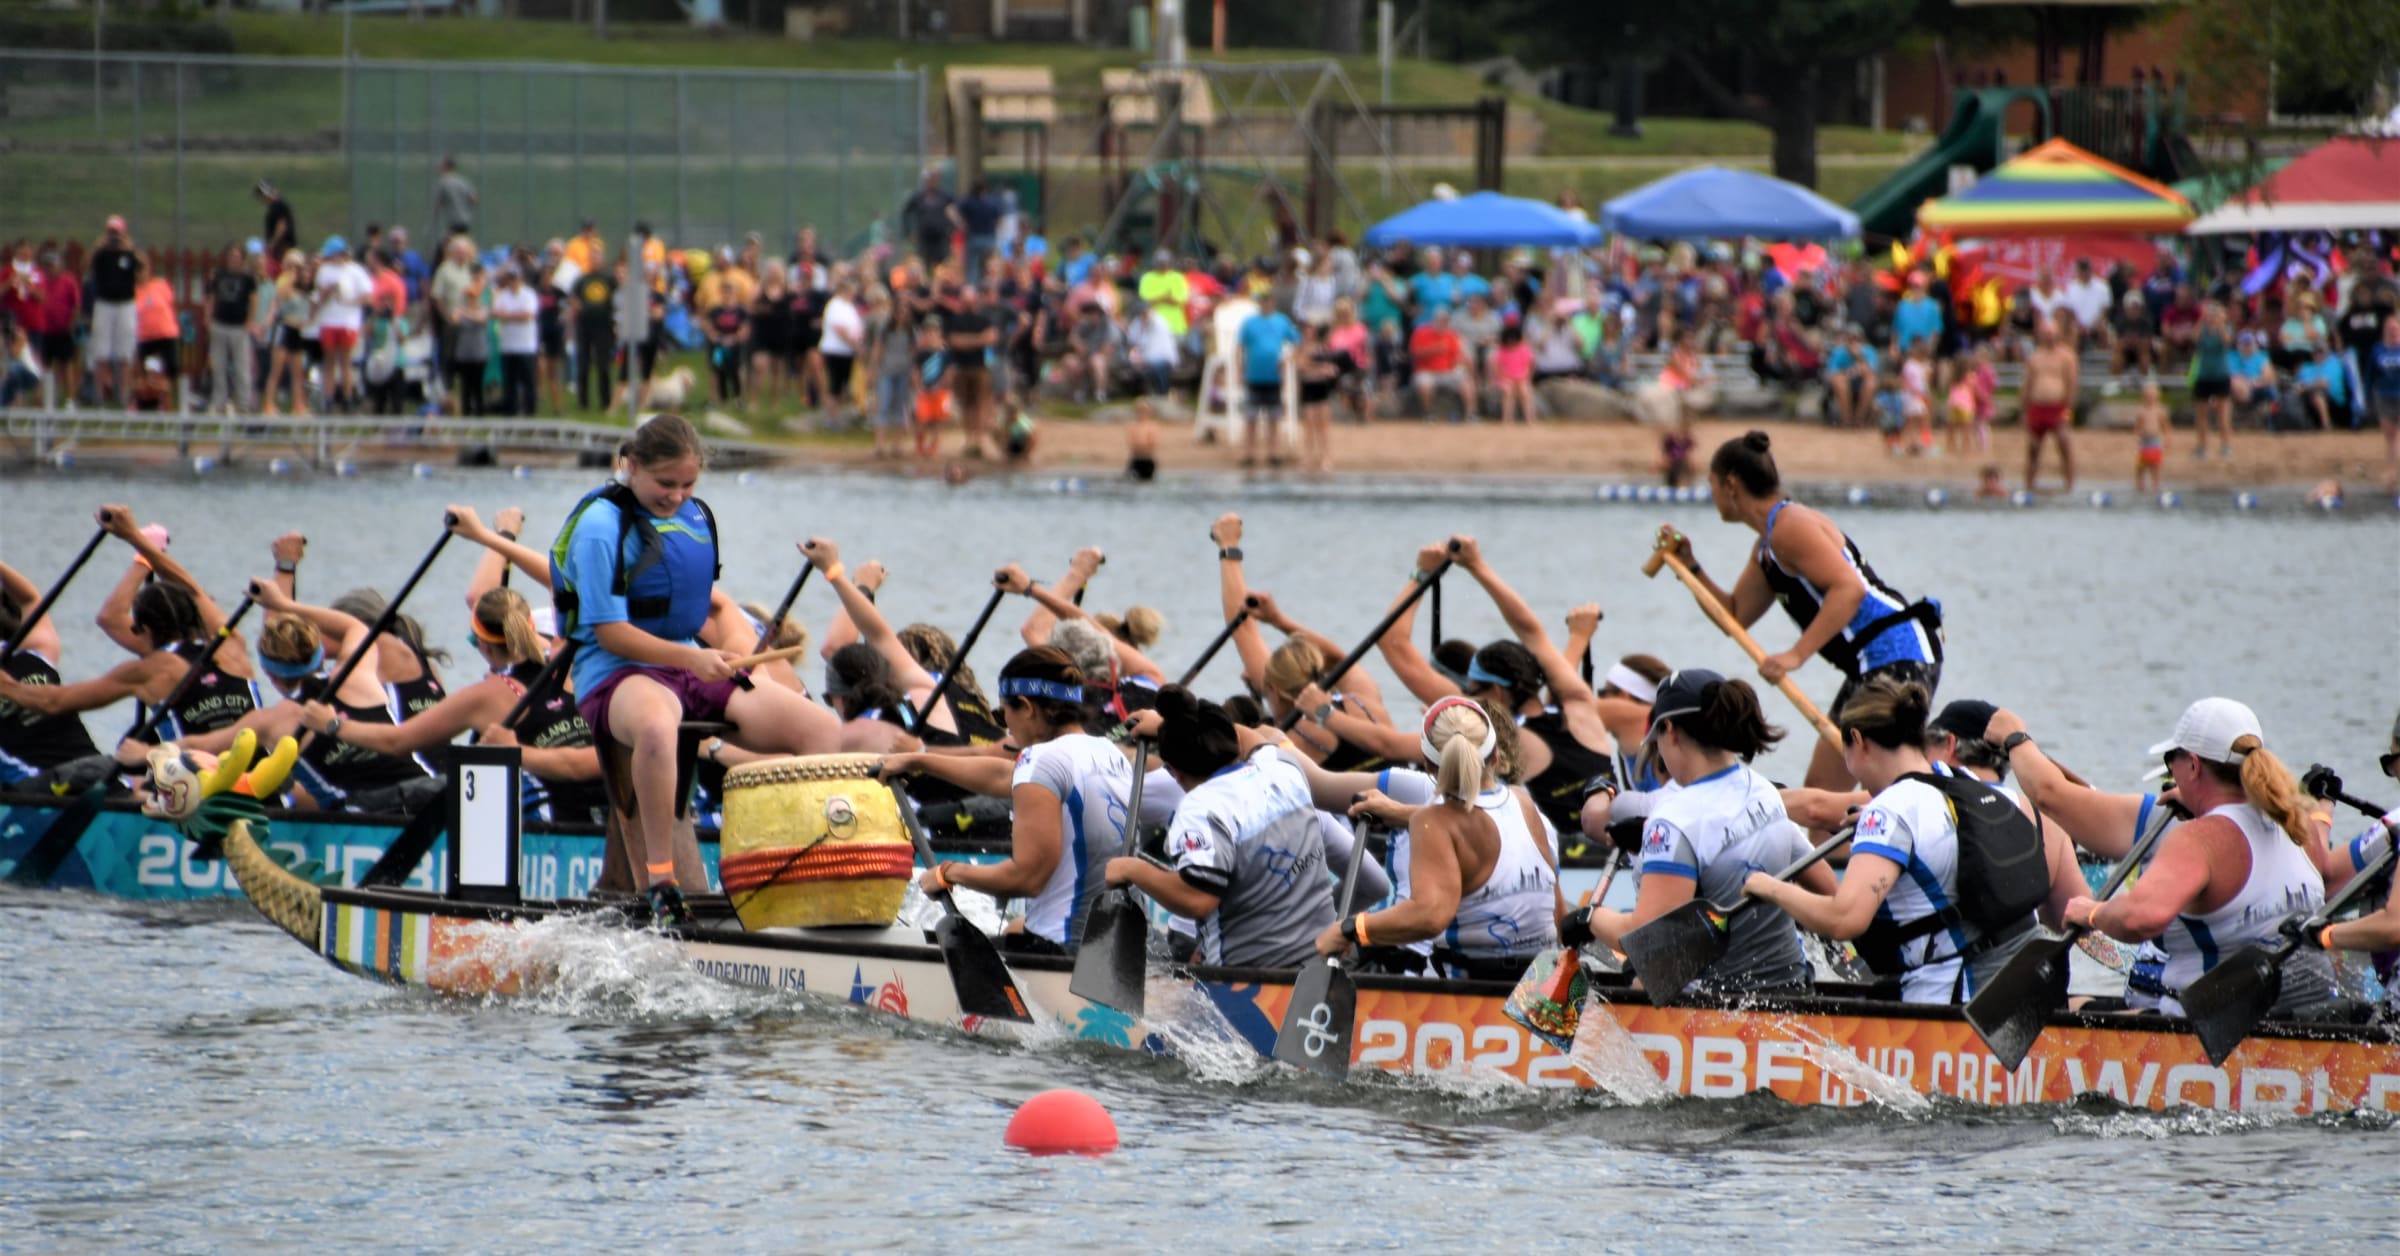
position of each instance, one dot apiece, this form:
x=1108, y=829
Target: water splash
x=1604, y=1052
x=590, y=964
x=1197, y=1033
x=1877, y=1086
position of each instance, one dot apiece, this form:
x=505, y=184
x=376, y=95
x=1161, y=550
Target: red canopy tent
x=2348, y=183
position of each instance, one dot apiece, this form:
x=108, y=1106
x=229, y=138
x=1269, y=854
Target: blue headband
x=1476, y=675
x=1028, y=687
x=281, y=670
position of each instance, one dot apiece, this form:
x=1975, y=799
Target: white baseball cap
x=2208, y=730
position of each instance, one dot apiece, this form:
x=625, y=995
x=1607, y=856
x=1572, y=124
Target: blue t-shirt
x=1431, y=292
x=592, y=569
x=1263, y=339
x=1469, y=285
x=1841, y=359
x=1918, y=318
x=2387, y=370
x=1075, y=269
x=2246, y=364
x=2328, y=372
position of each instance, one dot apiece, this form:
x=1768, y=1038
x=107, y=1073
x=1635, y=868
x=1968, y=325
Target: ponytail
x=2268, y=785
x=503, y=619
x=1460, y=773
x=1460, y=738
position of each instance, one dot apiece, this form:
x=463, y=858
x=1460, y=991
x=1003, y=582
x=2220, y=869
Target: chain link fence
x=177, y=143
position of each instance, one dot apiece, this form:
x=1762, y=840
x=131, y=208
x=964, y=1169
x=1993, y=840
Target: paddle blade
x=1548, y=1000
x=1673, y=950
x=1110, y=963
x=2231, y=998
x=1316, y=1024
x=977, y=972
x=49, y=852
x=2009, y=1013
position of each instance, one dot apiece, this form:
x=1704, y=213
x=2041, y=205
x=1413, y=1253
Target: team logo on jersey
x=1872, y=822
x=1281, y=863
x=1658, y=838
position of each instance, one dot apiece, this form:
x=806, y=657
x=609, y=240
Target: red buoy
x=1062, y=1122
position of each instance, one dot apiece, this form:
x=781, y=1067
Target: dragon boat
x=1837, y=1047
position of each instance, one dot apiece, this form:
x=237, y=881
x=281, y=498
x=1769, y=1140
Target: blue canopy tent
x=1485, y=220
x=1716, y=203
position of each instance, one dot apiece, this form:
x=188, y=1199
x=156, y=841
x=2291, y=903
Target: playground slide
x=1975, y=137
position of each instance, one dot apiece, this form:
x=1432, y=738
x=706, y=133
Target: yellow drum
x=813, y=841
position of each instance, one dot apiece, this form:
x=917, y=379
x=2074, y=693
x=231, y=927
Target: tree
x=2346, y=52
x=1790, y=41
x=1338, y=29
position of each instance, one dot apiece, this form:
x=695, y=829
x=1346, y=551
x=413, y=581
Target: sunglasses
x=2168, y=759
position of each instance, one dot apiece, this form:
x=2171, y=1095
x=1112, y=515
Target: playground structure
x=2143, y=128
x=1201, y=154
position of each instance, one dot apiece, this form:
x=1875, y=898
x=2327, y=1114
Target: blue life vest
x=666, y=586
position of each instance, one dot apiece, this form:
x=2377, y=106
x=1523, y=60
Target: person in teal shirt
x=2324, y=382
x=1430, y=290
x=1264, y=339
x=1385, y=299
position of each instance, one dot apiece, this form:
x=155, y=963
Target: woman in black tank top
x=403, y=662
x=562, y=769
x=1346, y=729
x=155, y=612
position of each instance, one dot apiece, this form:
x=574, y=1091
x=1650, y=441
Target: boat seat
x=621, y=856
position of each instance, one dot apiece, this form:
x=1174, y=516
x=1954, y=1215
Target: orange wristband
x=836, y=572
x=940, y=882
x=1360, y=921
x=666, y=869
x=2325, y=939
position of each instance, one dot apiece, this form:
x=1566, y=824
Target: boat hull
x=1818, y=1050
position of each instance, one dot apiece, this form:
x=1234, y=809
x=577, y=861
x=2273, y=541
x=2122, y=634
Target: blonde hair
x=792, y=632
x=1293, y=667
x=1458, y=733
x=1140, y=628
x=288, y=638
x=2267, y=785
x=504, y=611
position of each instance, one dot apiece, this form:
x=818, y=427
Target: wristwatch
x=333, y=727
x=2009, y=745
x=1323, y=713
x=505, y=534
x=715, y=746
x=1350, y=929
x=286, y=568
x=1231, y=553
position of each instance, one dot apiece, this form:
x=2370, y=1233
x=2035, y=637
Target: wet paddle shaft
x=1725, y=622
x=1425, y=581
x=41, y=608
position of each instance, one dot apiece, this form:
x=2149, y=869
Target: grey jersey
x=1249, y=836
x=1715, y=832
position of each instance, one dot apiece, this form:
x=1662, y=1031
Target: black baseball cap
x=1964, y=719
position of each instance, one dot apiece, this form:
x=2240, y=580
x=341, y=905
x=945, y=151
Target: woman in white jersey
x=2228, y=877
x=1904, y=856
x=1482, y=878
x=1067, y=792
x=1705, y=838
x=2378, y=931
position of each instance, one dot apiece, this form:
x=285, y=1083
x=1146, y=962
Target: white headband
x=1632, y=682
x=1491, y=736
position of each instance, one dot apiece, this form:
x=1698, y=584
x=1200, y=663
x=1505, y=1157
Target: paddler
x=1296, y=666
x=1847, y=614
x=32, y=740
x=1067, y=792
x=2378, y=931
x=1246, y=860
x=1482, y=882
x=2229, y=876
x=159, y=613
x=1705, y=838
x=1568, y=752
x=632, y=575
x=562, y=769
x=1901, y=895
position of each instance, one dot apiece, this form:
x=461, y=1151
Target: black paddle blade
x=977, y=972
x=1669, y=952
x=49, y=851
x=1111, y=961
x=2231, y=998
x=2009, y=1013
x=1317, y=1022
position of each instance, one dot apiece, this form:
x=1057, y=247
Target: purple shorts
x=701, y=699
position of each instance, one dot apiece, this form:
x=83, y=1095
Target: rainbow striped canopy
x=2058, y=189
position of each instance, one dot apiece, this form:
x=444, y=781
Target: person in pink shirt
x=62, y=301
x=390, y=290
x=1512, y=370
x=1349, y=335
x=158, y=333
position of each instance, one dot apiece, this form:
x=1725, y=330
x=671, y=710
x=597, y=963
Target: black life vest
x=2003, y=874
x=1559, y=790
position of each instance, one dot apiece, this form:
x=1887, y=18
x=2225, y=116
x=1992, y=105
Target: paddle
x=2009, y=1013
x=966, y=647
x=783, y=609
x=977, y=973
x=1113, y=954
x=1433, y=623
x=1425, y=580
x=1545, y=997
x=1224, y=635
x=410, y=845
x=41, y=608
x=1663, y=555
x=1317, y=1022
x=2231, y=998
x=1671, y=951
x=50, y=850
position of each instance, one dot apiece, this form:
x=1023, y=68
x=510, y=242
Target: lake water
x=185, y=1078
